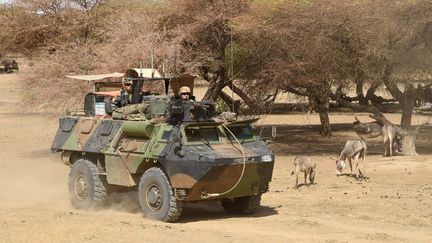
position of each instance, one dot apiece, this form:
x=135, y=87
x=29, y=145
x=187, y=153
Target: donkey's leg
x=350, y=164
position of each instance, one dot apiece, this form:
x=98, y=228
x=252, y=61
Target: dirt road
x=393, y=206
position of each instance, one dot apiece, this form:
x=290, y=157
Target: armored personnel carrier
x=169, y=150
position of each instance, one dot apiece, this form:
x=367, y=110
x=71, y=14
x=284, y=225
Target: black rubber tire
x=156, y=197
x=242, y=205
x=87, y=189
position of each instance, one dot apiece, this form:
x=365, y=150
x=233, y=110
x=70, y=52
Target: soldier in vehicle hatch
x=185, y=93
x=120, y=97
x=177, y=105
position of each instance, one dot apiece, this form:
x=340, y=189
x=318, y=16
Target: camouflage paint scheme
x=123, y=150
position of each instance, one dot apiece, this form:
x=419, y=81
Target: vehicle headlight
x=266, y=158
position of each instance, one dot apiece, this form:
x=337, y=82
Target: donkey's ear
x=356, y=120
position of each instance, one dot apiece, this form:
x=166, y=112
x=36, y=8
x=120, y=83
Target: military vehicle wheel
x=86, y=188
x=242, y=205
x=156, y=196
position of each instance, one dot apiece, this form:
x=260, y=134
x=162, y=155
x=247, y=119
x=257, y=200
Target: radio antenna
x=141, y=71
x=232, y=71
x=175, y=62
x=152, y=64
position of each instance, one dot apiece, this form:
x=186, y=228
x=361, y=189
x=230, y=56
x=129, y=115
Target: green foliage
x=236, y=56
x=221, y=105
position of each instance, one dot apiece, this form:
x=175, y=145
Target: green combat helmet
x=170, y=150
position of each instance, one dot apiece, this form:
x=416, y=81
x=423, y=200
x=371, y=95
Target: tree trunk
x=321, y=105
x=409, y=136
x=359, y=91
x=230, y=102
x=213, y=90
x=408, y=142
x=244, y=96
x=406, y=100
x=407, y=111
x=325, y=123
x=371, y=91
x=216, y=83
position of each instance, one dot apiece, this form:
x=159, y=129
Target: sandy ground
x=393, y=206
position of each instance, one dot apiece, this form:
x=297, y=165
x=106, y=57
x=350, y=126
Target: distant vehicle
x=8, y=66
x=171, y=151
x=425, y=107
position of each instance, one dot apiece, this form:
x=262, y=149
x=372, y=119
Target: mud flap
x=117, y=172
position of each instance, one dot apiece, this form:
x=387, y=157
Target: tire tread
x=175, y=206
x=100, y=185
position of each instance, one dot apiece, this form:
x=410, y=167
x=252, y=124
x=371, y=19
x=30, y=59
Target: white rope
x=210, y=195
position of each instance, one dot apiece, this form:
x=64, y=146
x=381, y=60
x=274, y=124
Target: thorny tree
x=399, y=37
x=200, y=33
x=320, y=49
x=30, y=25
x=308, y=49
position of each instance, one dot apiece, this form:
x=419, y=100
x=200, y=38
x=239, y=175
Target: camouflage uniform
x=131, y=112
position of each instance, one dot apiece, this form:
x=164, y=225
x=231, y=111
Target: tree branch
x=391, y=86
x=377, y=114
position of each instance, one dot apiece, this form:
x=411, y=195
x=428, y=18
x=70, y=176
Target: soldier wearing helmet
x=185, y=93
x=178, y=105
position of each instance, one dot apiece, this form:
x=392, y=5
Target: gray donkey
x=367, y=129
x=353, y=149
x=392, y=134
x=305, y=165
